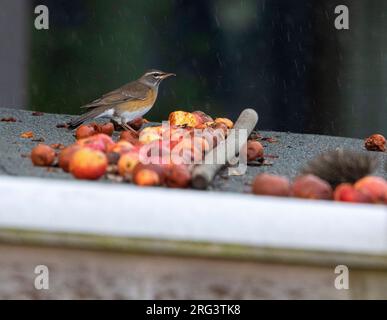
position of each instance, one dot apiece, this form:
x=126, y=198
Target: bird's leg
x=116, y=125
x=128, y=127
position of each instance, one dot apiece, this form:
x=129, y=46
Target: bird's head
x=154, y=77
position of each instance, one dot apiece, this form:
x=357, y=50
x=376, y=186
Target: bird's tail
x=84, y=117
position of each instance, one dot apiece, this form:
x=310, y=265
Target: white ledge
x=126, y=211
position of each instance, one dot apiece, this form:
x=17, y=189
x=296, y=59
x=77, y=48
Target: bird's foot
x=128, y=127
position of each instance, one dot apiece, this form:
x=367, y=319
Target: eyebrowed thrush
x=126, y=103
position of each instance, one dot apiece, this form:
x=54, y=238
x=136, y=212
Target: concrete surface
x=77, y=274
x=293, y=150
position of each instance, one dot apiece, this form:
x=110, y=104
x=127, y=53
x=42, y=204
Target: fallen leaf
x=9, y=119
x=269, y=139
x=62, y=125
x=27, y=135
x=57, y=146
x=37, y=113
x=271, y=156
x=38, y=140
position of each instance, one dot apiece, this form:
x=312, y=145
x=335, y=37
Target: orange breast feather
x=135, y=105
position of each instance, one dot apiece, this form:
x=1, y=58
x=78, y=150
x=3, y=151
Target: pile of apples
x=95, y=154
x=370, y=189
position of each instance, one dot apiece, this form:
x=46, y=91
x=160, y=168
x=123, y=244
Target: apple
x=84, y=131
x=347, y=193
x=252, y=150
x=271, y=185
x=183, y=118
x=100, y=142
x=178, y=176
x=149, y=174
x=201, y=117
x=43, y=155
x=188, y=151
x=107, y=128
x=121, y=147
x=311, y=187
x=127, y=163
x=65, y=156
x=150, y=134
x=129, y=136
x=374, y=187
x=88, y=164
x=225, y=121
x=136, y=124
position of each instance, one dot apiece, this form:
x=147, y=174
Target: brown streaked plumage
x=126, y=103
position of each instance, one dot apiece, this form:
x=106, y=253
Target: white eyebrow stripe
x=153, y=72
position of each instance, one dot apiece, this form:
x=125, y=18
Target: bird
x=127, y=103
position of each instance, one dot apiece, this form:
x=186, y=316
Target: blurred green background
x=284, y=58
x=95, y=46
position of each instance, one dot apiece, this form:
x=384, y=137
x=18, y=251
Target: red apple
x=374, y=187
x=149, y=174
x=121, y=147
x=252, y=150
x=84, y=131
x=201, y=117
x=107, y=128
x=100, y=141
x=65, y=156
x=311, y=187
x=225, y=121
x=271, y=185
x=88, y=164
x=127, y=163
x=129, y=136
x=347, y=193
x=43, y=155
x=178, y=176
x=150, y=134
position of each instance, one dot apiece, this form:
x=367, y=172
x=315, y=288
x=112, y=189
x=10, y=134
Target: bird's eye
x=156, y=75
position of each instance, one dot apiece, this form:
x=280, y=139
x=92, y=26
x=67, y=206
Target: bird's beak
x=167, y=75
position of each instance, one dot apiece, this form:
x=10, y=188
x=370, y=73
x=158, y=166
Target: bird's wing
x=130, y=91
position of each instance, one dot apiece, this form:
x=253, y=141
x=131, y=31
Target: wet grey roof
x=288, y=154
